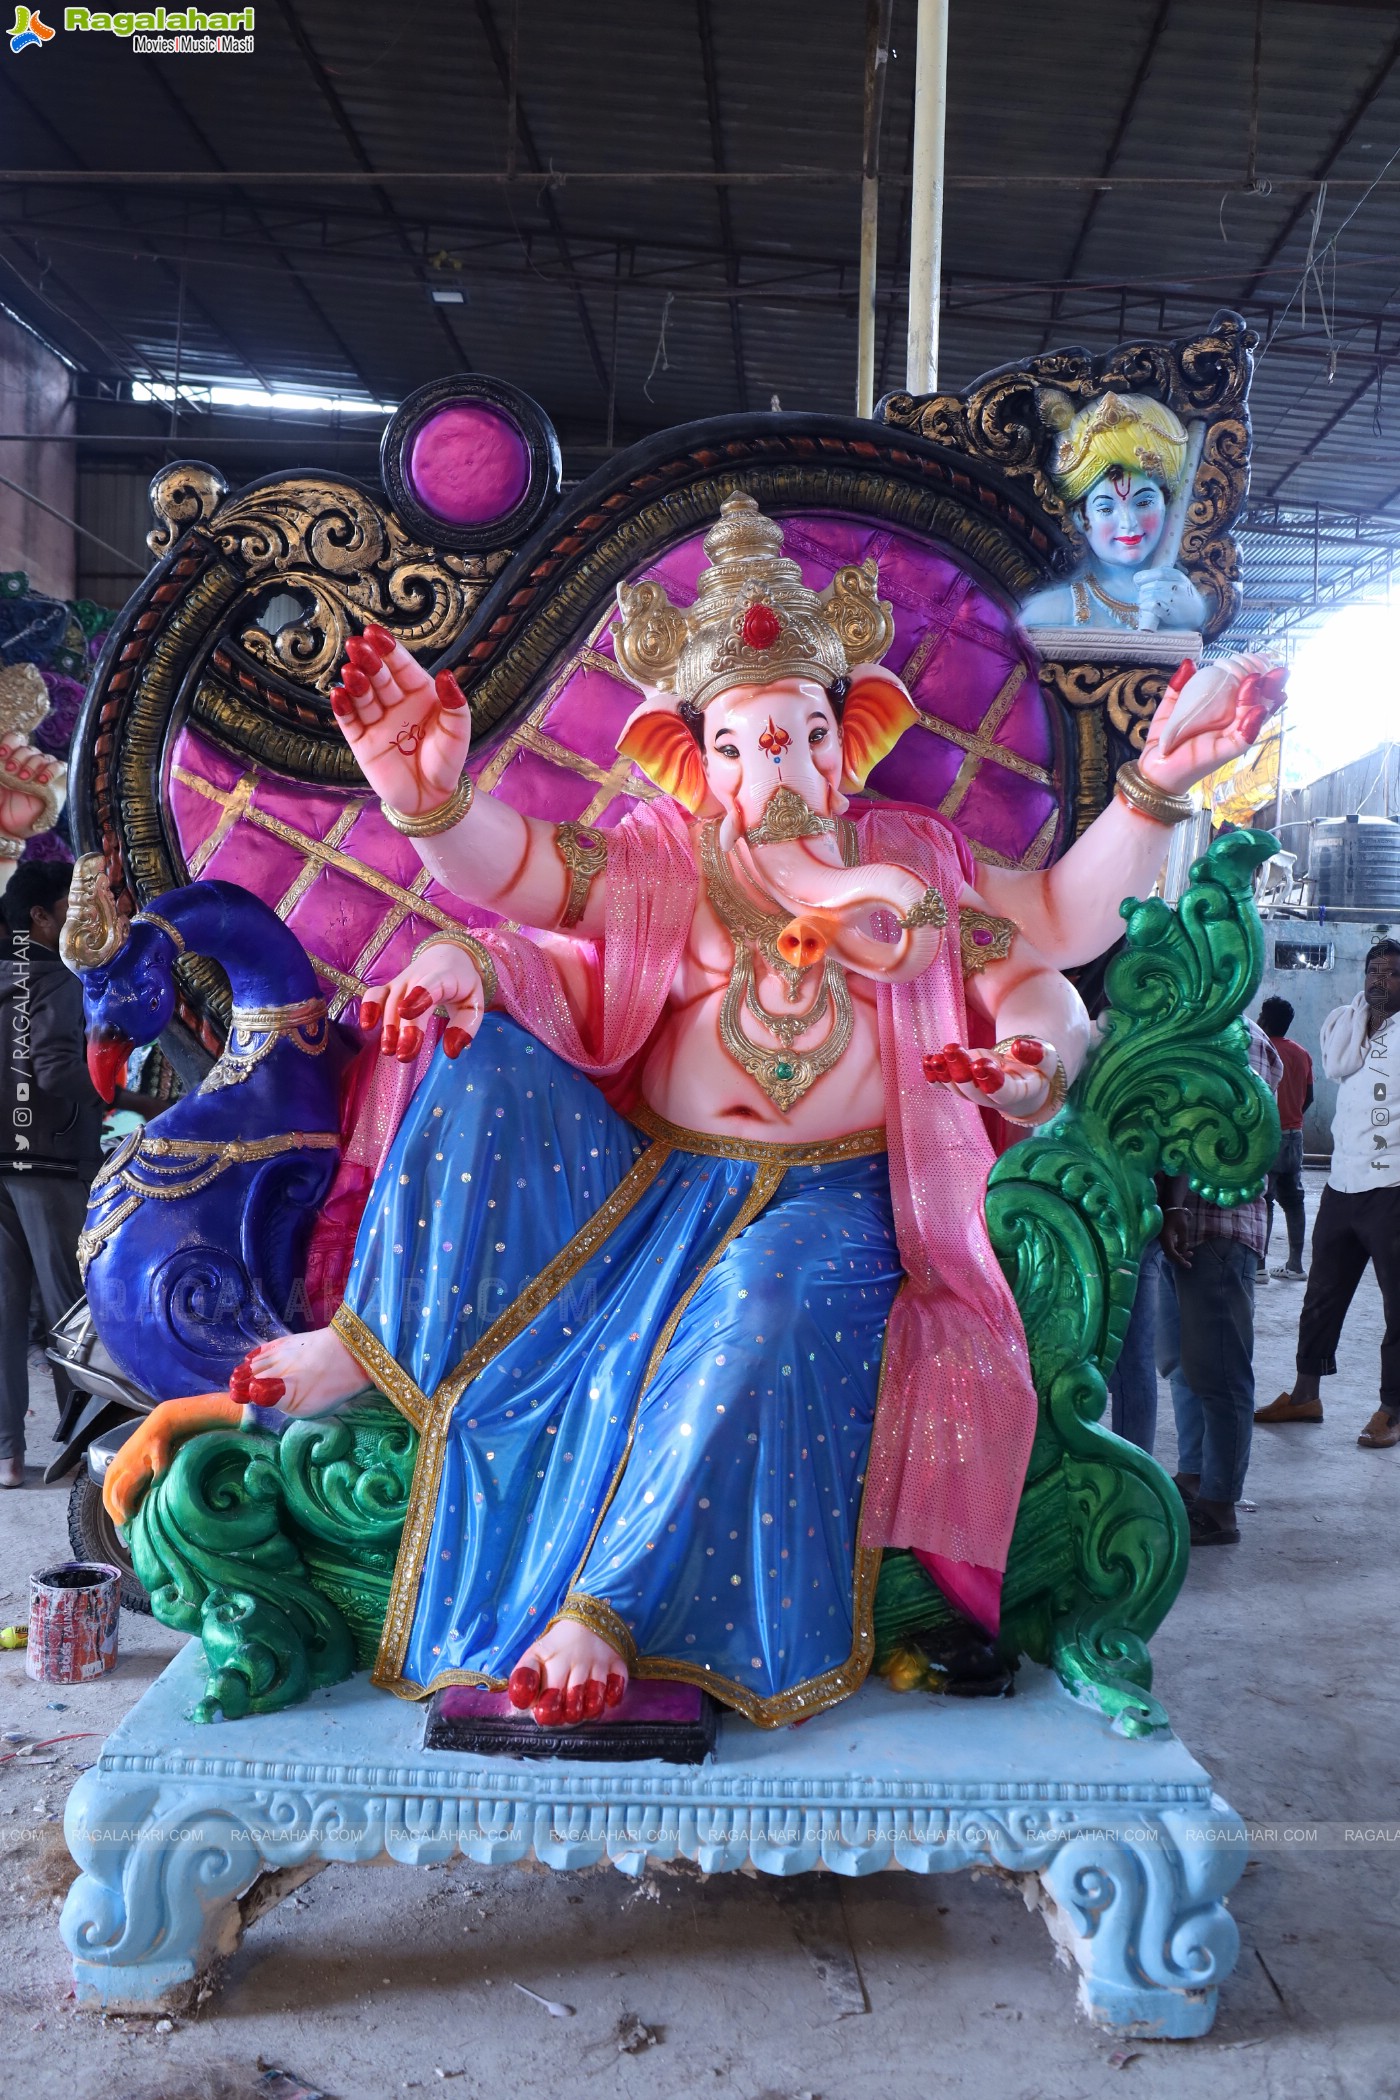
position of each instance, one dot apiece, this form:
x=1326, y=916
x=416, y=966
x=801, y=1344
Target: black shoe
x=1209, y=1531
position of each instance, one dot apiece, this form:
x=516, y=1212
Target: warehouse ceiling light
x=209, y=394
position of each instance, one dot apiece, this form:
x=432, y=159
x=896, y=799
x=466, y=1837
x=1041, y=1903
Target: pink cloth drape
x=957, y=1410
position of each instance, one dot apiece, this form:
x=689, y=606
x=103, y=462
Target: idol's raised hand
x=1208, y=717
x=410, y=733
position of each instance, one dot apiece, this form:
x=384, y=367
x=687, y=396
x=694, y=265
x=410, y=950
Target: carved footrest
x=1121, y=1843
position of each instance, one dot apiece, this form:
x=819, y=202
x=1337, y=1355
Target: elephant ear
x=876, y=714
x=655, y=739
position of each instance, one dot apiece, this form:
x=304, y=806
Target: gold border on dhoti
x=818, y=1152
x=432, y=1442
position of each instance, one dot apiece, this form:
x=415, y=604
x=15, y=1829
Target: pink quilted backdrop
x=356, y=896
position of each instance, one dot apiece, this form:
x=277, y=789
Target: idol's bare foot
x=569, y=1675
x=303, y=1374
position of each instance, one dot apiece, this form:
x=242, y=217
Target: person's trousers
x=41, y=1216
x=1132, y=1383
x=1205, y=1348
x=1286, y=1189
x=1349, y=1231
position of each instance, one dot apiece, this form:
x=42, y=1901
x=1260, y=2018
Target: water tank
x=1355, y=862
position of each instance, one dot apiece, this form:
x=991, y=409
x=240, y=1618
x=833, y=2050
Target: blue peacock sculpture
x=193, y=1250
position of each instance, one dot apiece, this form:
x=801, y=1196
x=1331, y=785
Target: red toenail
x=549, y=1708
x=524, y=1686
x=592, y=1699
x=573, y=1703
x=614, y=1689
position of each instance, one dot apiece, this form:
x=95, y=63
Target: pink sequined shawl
x=957, y=1409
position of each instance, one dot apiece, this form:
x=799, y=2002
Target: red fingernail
x=592, y=1699
x=370, y=1011
x=388, y=1042
x=414, y=1002
x=354, y=681
x=359, y=653
x=1027, y=1049
x=449, y=693
x=410, y=1042
x=614, y=1690
x=454, y=1041
x=524, y=1686
x=549, y=1708
x=381, y=638
x=340, y=701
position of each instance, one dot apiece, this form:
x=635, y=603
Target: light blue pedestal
x=1121, y=1844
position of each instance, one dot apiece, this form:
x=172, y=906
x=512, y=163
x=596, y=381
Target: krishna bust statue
x=678, y=1262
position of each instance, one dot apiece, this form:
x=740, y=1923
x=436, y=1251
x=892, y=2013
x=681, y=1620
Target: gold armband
x=984, y=938
x=584, y=853
x=480, y=954
x=1058, y=1082
x=929, y=911
x=1153, y=802
x=430, y=822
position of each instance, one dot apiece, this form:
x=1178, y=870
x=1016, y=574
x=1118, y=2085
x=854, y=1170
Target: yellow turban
x=1133, y=432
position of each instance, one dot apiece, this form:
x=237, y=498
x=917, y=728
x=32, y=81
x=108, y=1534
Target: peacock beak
x=107, y=1051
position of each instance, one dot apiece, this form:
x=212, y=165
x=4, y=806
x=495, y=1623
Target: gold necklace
x=1127, y=613
x=785, y=1073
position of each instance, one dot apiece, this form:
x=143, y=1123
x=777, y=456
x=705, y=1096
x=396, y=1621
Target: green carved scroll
x=281, y=1555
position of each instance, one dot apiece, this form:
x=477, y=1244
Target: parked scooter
x=102, y=1412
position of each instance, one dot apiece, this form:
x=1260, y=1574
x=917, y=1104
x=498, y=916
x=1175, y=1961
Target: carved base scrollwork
x=176, y=1829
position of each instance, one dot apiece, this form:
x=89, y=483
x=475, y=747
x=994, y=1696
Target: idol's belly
x=693, y=1080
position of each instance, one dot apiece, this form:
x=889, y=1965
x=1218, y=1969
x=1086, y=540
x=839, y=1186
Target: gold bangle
x=1057, y=1081
x=584, y=853
x=430, y=822
x=480, y=954
x=1156, y=803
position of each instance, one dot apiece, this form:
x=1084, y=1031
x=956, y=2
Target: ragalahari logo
x=28, y=31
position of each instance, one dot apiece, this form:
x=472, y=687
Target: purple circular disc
x=468, y=465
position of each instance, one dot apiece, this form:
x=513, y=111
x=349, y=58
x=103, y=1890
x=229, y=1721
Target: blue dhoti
x=644, y=1377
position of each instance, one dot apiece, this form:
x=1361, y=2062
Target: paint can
x=73, y=1613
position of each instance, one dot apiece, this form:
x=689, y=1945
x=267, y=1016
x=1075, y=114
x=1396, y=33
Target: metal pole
x=877, y=51
x=926, y=206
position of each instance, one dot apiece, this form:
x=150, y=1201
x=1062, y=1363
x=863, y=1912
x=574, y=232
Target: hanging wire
x=660, y=358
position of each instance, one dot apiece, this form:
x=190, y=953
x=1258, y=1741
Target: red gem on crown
x=761, y=627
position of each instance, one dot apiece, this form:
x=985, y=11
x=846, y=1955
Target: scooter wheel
x=93, y=1536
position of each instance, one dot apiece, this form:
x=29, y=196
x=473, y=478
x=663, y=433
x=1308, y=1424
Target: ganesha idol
x=678, y=1262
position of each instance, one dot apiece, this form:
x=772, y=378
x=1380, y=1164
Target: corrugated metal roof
x=595, y=296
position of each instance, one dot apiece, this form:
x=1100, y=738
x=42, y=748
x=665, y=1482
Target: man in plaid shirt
x=1205, y=1336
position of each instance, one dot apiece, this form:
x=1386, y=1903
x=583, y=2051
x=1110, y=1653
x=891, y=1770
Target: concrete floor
x=1279, y=1666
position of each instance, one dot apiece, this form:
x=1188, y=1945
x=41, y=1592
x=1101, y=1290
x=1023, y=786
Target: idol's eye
x=727, y=750
x=819, y=734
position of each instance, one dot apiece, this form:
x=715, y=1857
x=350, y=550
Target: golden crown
x=1135, y=432
x=754, y=620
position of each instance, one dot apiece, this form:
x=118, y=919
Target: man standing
x=1358, y=1219
x=1205, y=1337
x=1295, y=1094
x=50, y=1128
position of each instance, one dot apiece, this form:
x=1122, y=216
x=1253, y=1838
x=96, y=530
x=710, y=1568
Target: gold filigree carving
x=331, y=542
x=1103, y=697
x=181, y=496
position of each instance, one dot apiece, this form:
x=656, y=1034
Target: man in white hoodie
x=1358, y=1220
